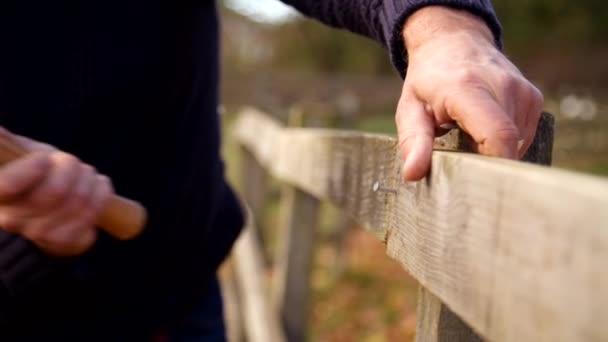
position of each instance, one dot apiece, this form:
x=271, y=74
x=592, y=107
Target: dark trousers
x=205, y=322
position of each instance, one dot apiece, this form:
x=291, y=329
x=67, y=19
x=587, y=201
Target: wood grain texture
x=436, y=321
x=517, y=250
x=292, y=283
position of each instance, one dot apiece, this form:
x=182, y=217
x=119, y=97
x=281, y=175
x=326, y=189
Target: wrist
x=437, y=22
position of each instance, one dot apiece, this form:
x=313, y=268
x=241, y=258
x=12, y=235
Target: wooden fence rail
x=517, y=251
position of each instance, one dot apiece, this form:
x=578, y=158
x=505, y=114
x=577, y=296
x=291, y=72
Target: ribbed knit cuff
x=396, y=12
x=22, y=264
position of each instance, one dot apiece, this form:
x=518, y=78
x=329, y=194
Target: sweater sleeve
x=383, y=20
x=22, y=264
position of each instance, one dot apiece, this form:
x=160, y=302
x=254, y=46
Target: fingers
x=68, y=229
x=56, y=188
x=32, y=145
x=492, y=128
x=416, y=129
x=21, y=175
x=53, y=200
x=498, y=126
x=531, y=111
x=72, y=209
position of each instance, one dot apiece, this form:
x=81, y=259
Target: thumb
x=416, y=130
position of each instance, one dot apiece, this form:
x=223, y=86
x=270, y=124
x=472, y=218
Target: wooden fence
x=503, y=250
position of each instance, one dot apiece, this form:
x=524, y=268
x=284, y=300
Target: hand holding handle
x=121, y=217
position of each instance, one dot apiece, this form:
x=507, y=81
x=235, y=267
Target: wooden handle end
x=122, y=218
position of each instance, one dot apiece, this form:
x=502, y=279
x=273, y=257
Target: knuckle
x=64, y=158
x=106, y=184
x=54, y=192
x=532, y=102
x=80, y=195
x=507, y=133
x=466, y=76
x=538, y=99
x=508, y=82
x=88, y=168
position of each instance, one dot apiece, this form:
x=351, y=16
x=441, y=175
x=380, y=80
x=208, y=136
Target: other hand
x=52, y=199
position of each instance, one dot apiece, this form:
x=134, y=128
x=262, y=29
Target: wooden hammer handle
x=120, y=217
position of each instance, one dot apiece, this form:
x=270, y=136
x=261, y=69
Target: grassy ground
x=372, y=299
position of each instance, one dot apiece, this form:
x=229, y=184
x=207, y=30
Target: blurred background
x=276, y=60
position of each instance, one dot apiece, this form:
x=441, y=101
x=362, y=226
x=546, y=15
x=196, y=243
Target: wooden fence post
x=261, y=321
x=435, y=321
x=294, y=256
x=294, y=260
x=253, y=184
x=258, y=321
x=233, y=301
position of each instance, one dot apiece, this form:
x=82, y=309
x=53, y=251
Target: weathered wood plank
x=261, y=321
x=448, y=326
x=517, y=250
x=291, y=294
x=428, y=314
x=294, y=255
x=232, y=304
x=253, y=187
x=253, y=184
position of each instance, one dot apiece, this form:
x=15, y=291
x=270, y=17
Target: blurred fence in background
x=368, y=102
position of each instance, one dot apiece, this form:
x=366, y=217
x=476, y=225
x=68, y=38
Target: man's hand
x=52, y=199
x=457, y=75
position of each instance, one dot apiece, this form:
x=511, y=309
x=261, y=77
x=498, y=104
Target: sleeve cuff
x=396, y=12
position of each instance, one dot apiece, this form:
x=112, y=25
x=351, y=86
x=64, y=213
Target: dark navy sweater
x=131, y=87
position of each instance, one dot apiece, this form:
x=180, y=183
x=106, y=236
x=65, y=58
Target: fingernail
x=449, y=125
x=520, y=144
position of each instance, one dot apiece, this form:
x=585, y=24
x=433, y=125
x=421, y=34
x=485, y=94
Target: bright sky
x=262, y=10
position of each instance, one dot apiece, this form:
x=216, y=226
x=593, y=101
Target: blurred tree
x=306, y=44
x=555, y=42
x=553, y=22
